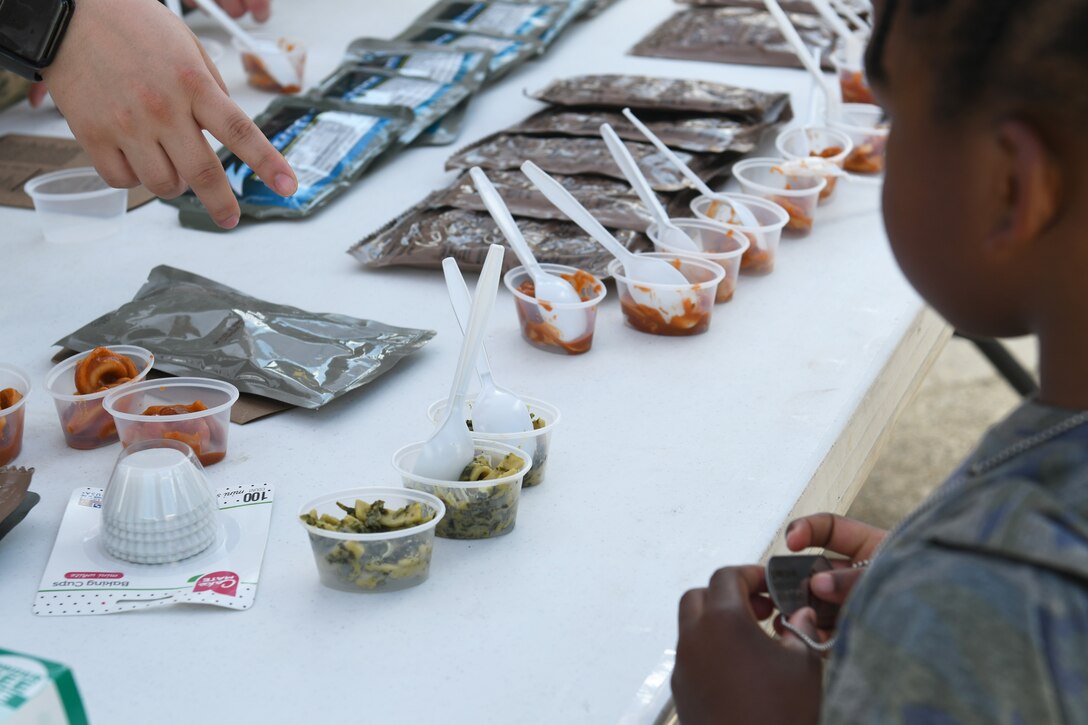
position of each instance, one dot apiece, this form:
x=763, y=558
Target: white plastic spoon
x=747, y=218
x=671, y=235
x=851, y=43
x=549, y=288
x=638, y=267
x=798, y=45
x=852, y=16
x=450, y=448
x=272, y=56
x=497, y=410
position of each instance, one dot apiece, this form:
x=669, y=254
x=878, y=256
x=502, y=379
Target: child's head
x=985, y=198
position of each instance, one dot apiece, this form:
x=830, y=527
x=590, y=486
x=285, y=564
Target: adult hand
x=259, y=9
x=137, y=90
x=840, y=535
x=728, y=669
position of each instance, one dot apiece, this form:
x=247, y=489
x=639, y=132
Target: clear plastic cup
x=867, y=128
x=831, y=145
x=718, y=243
x=537, y=318
x=852, y=81
x=380, y=562
x=158, y=507
x=77, y=205
x=474, y=509
x=83, y=420
x=536, y=444
x=257, y=74
x=12, y=412
x=764, y=238
x=680, y=310
x=798, y=195
x=205, y=431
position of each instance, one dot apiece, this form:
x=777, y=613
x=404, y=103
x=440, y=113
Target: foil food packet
x=675, y=95
x=570, y=156
x=196, y=326
x=735, y=35
x=611, y=202
x=861, y=7
x=327, y=144
x=421, y=60
x=506, y=52
x=447, y=129
x=423, y=237
x=705, y=134
x=427, y=99
x=512, y=18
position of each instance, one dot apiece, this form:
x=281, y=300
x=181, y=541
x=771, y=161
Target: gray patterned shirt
x=977, y=610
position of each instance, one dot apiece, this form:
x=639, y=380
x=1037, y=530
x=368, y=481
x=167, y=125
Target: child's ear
x=1031, y=188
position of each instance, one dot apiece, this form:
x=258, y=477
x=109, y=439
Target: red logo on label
x=220, y=582
x=94, y=575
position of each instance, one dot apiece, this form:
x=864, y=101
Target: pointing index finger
x=228, y=123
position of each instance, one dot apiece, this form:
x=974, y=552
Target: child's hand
x=838, y=534
x=728, y=669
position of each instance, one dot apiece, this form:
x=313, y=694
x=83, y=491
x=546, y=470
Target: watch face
x=31, y=28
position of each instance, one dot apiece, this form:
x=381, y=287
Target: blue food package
x=328, y=145
x=506, y=52
x=428, y=100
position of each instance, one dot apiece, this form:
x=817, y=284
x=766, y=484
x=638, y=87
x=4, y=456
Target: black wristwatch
x=30, y=33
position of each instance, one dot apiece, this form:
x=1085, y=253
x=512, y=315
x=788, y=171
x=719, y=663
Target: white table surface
x=674, y=456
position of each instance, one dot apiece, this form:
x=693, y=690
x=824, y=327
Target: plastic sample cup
x=536, y=445
x=538, y=319
x=852, y=81
x=379, y=562
x=763, y=238
x=85, y=423
x=205, y=431
x=158, y=507
x=77, y=205
x=257, y=74
x=829, y=144
x=668, y=309
x=718, y=243
x=474, y=509
x=798, y=195
x=13, y=414
x=867, y=128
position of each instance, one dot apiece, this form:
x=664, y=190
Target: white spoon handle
x=852, y=16
x=461, y=300
x=668, y=153
x=505, y=221
x=834, y=20
x=554, y=192
x=629, y=167
x=790, y=33
x=227, y=22
x=480, y=314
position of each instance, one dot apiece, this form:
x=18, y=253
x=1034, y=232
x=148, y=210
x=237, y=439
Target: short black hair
x=1026, y=52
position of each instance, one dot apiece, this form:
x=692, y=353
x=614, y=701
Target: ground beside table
x=674, y=457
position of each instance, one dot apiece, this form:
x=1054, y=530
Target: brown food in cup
x=543, y=334
x=257, y=74
x=11, y=426
x=87, y=425
x=799, y=220
x=643, y=318
x=103, y=369
x=203, y=435
x=828, y=153
x=866, y=159
x=854, y=88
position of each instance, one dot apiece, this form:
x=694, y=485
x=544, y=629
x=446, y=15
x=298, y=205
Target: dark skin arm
x=728, y=670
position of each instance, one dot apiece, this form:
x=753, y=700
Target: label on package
x=81, y=578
